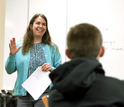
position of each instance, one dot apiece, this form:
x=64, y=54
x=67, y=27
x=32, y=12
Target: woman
x=26, y=56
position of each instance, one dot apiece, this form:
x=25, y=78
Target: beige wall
x=2, y=26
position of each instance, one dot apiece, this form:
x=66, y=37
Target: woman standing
x=26, y=56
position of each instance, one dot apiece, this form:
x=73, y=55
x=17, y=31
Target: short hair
x=84, y=40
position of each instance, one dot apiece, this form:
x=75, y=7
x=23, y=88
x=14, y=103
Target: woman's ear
x=67, y=54
x=31, y=26
x=102, y=51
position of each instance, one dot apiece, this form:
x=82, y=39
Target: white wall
x=107, y=15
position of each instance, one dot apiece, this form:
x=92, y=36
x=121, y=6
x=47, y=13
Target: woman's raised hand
x=12, y=47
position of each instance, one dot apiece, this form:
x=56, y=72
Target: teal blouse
x=21, y=63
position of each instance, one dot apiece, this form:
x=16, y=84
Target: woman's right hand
x=12, y=47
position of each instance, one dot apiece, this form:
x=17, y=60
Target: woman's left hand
x=46, y=67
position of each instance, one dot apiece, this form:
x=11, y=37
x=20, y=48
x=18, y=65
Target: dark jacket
x=82, y=82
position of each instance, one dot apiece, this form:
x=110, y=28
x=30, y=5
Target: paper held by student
x=37, y=83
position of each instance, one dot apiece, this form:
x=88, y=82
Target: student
x=26, y=56
x=81, y=82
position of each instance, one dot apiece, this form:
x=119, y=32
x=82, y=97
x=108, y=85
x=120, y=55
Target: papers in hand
x=37, y=83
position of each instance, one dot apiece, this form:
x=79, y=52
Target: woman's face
x=39, y=27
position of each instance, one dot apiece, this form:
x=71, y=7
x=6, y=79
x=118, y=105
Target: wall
x=2, y=27
x=107, y=15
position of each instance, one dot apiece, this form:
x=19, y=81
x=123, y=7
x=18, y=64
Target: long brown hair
x=28, y=37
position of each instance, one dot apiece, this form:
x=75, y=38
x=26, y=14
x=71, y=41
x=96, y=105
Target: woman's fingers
x=12, y=46
x=13, y=40
x=46, y=67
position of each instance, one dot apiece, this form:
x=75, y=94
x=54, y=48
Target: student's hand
x=46, y=67
x=12, y=47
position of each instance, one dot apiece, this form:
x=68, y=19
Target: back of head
x=84, y=40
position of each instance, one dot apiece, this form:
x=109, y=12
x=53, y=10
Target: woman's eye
x=44, y=24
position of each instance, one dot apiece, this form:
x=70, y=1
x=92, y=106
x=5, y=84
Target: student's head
x=84, y=40
x=29, y=37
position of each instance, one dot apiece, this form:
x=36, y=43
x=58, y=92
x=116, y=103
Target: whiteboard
x=15, y=26
x=108, y=16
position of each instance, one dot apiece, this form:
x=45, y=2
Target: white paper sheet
x=37, y=83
